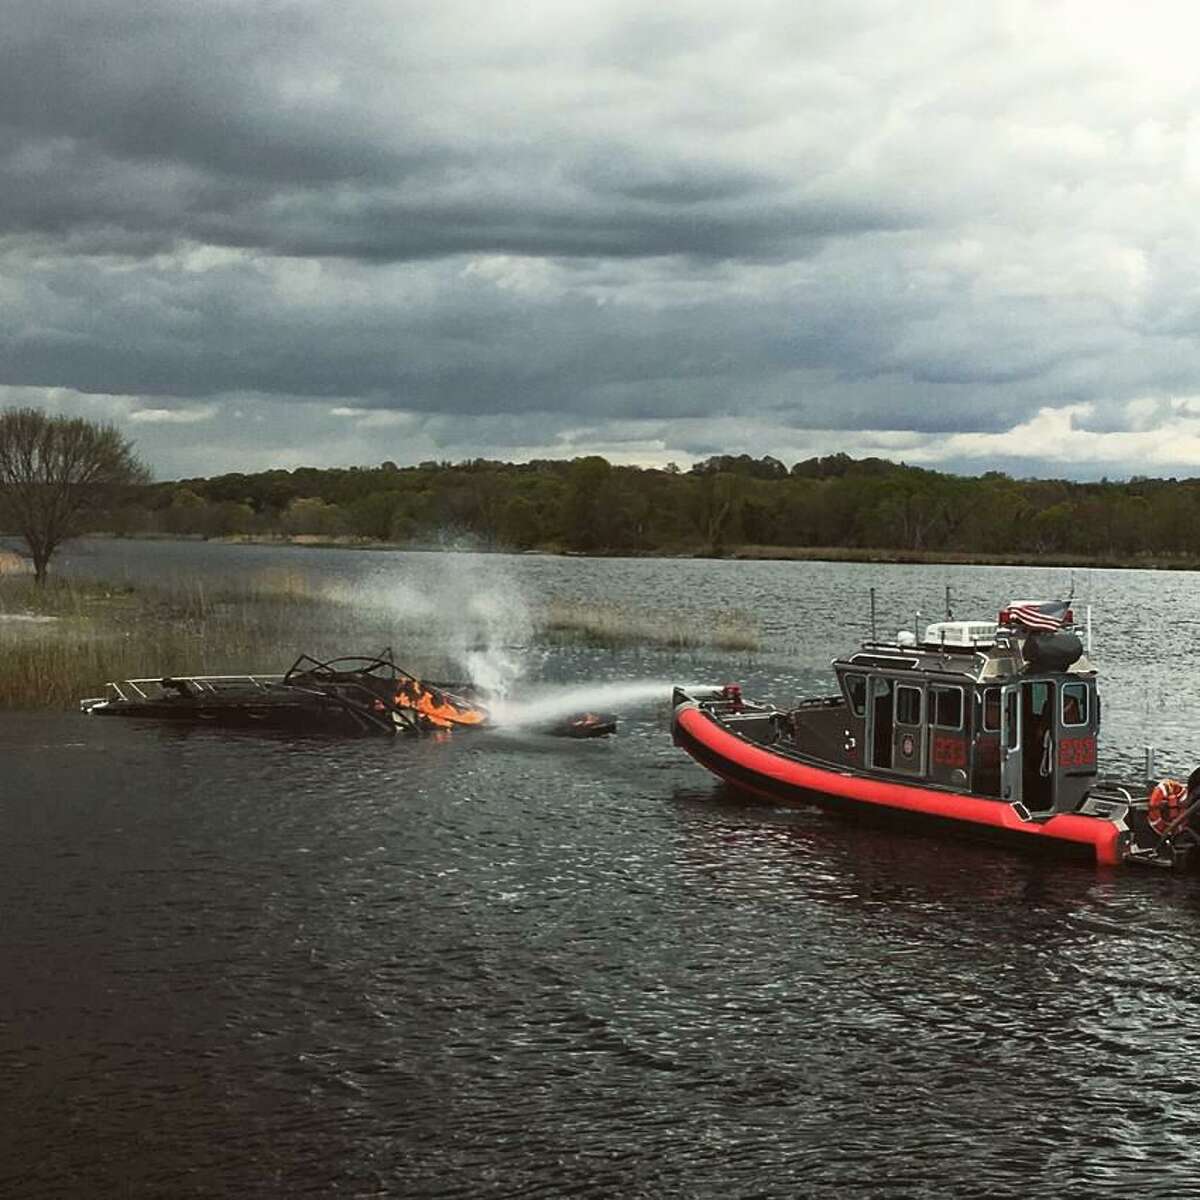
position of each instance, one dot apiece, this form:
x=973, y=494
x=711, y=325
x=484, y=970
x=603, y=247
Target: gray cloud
x=604, y=226
x=288, y=129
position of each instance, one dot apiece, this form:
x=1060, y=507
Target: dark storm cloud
x=198, y=85
x=211, y=123
x=468, y=346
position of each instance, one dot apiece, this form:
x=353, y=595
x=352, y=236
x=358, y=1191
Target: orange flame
x=439, y=709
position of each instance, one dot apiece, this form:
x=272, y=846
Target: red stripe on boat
x=1102, y=835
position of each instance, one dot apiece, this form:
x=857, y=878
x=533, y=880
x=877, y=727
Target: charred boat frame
x=355, y=695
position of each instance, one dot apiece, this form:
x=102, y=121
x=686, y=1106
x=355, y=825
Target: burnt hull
x=353, y=696
x=308, y=715
x=788, y=778
x=344, y=697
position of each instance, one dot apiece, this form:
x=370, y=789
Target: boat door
x=908, y=736
x=896, y=729
x=1010, y=742
x=880, y=721
x=1039, y=706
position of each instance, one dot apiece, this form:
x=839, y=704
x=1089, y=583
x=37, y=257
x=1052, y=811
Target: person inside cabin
x=1037, y=765
x=882, y=749
x=1071, y=714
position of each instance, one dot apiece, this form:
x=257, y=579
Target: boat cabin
x=972, y=707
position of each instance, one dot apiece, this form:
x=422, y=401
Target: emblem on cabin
x=907, y=745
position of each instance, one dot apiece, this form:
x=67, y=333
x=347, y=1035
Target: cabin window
x=1012, y=713
x=856, y=693
x=908, y=705
x=1074, y=704
x=947, y=706
x=991, y=710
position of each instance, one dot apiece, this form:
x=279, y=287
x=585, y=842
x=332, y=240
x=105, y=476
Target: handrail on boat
x=204, y=683
x=207, y=678
x=361, y=685
x=1113, y=790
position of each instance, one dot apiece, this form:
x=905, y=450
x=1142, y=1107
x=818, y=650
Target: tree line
x=61, y=477
x=589, y=505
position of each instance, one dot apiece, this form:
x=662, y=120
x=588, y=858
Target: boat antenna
x=949, y=610
x=874, y=636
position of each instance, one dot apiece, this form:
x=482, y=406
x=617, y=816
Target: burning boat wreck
x=986, y=728
x=355, y=696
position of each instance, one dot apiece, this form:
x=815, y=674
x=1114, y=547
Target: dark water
x=508, y=965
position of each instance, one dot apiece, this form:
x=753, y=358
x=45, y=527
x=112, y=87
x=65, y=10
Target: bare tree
x=52, y=471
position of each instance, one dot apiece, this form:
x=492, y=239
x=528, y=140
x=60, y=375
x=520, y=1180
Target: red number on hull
x=1077, y=752
x=949, y=752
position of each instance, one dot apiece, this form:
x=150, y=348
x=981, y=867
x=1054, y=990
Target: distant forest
x=725, y=504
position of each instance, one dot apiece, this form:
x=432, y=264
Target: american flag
x=1038, y=614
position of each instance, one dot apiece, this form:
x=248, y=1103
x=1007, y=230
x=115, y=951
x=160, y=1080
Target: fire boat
x=979, y=727
x=357, y=695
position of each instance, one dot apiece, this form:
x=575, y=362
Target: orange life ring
x=1165, y=803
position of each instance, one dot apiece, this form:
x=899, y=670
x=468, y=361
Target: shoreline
x=747, y=552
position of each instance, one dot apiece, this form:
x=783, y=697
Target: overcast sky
x=290, y=233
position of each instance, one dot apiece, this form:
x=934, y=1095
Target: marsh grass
x=65, y=640
x=618, y=625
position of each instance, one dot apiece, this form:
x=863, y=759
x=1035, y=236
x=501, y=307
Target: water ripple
x=514, y=966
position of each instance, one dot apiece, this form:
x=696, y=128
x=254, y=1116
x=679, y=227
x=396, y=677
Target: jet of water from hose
x=591, y=697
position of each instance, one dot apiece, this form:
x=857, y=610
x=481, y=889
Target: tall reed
x=64, y=641
x=614, y=624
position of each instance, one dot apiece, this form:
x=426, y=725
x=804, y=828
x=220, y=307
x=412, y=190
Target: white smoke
x=468, y=607
x=500, y=629
x=383, y=594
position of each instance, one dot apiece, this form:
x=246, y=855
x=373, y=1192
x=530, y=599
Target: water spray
x=501, y=629
x=564, y=701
